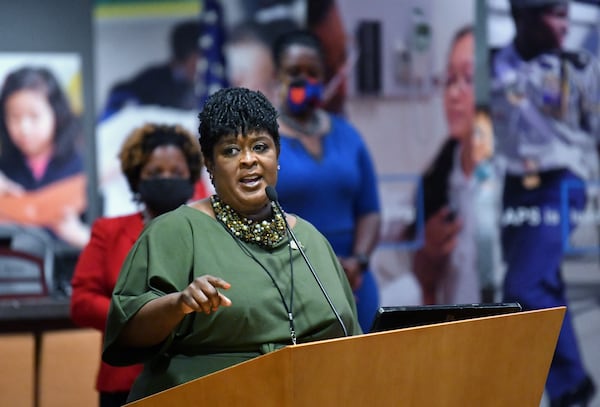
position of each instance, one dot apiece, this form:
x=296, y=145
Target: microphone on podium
x=272, y=195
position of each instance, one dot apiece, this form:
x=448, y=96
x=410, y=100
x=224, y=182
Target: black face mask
x=165, y=194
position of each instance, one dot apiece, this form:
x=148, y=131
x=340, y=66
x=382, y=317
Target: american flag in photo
x=211, y=67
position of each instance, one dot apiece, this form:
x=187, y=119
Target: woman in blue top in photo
x=326, y=175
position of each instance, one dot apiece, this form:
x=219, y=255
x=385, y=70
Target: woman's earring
x=278, y=167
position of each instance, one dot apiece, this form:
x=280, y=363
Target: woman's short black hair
x=234, y=111
x=296, y=37
x=140, y=144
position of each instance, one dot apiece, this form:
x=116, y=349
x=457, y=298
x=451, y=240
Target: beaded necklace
x=267, y=233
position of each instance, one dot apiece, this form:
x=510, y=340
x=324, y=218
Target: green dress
x=187, y=243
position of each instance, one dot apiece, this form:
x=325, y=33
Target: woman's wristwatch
x=363, y=261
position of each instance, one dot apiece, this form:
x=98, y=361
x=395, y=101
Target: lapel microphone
x=272, y=195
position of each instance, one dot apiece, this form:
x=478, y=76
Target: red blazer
x=93, y=281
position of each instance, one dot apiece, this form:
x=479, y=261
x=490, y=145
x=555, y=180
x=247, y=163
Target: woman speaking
x=218, y=281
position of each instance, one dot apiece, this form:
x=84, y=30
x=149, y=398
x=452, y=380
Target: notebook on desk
x=388, y=318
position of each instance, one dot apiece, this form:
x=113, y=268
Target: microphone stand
x=272, y=195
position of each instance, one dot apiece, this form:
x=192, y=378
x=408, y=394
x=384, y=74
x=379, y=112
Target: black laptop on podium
x=388, y=318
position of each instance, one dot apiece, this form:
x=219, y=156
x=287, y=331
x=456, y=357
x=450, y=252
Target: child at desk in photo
x=39, y=147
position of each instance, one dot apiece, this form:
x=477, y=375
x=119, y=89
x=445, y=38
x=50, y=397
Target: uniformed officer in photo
x=545, y=111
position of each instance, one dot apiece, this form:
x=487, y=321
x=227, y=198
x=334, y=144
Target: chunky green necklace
x=267, y=233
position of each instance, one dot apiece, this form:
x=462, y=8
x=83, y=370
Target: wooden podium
x=491, y=361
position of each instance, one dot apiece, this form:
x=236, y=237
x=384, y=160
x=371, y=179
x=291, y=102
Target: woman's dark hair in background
x=458, y=34
x=144, y=140
x=296, y=37
x=184, y=39
x=234, y=111
x=67, y=134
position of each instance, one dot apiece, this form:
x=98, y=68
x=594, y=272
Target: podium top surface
x=483, y=361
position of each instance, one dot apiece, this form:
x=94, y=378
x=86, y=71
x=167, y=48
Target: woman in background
x=326, y=175
x=161, y=164
x=460, y=194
